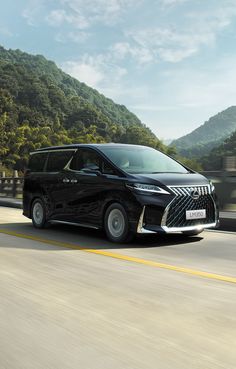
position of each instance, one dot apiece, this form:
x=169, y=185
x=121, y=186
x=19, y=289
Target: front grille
x=176, y=214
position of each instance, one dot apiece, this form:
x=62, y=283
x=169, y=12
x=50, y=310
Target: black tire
x=38, y=214
x=116, y=224
x=192, y=233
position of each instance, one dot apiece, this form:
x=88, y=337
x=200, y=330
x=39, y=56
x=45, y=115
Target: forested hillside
x=214, y=160
x=211, y=134
x=40, y=106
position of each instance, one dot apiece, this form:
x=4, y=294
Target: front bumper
x=173, y=218
x=143, y=228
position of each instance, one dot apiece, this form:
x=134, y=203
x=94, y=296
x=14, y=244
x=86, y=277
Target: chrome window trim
x=47, y=151
x=46, y=161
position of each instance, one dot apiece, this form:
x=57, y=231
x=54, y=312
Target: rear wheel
x=38, y=214
x=116, y=224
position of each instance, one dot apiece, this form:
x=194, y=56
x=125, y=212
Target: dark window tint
x=37, y=161
x=86, y=159
x=57, y=160
x=141, y=159
x=107, y=169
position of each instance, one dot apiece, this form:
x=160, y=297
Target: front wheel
x=38, y=214
x=116, y=224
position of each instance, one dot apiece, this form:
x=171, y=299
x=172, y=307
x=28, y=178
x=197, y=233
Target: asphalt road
x=70, y=299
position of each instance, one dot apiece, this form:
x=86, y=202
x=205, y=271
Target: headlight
x=147, y=188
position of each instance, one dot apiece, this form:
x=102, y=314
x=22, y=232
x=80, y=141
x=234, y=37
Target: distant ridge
x=209, y=135
x=215, y=160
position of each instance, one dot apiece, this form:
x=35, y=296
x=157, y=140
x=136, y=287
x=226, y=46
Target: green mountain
x=209, y=135
x=215, y=159
x=40, y=105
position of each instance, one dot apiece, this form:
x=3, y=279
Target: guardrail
x=11, y=186
x=225, y=184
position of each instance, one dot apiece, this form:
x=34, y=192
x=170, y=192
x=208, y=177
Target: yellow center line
x=124, y=257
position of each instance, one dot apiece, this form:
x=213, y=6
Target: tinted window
x=37, y=161
x=86, y=159
x=107, y=169
x=57, y=160
x=141, y=159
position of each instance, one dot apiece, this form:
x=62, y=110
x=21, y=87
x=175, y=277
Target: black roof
x=76, y=146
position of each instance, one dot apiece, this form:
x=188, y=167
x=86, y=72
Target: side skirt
x=85, y=225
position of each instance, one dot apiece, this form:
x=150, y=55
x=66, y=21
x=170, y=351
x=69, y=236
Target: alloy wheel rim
x=116, y=223
x=38, y=213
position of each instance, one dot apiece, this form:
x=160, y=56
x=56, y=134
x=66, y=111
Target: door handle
x=65, y=180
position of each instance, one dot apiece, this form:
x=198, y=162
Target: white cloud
x=107, y=11
x=56, y=17
x=76, y=37
x=59, y=16
x=83, y=14
x=138, y=61
x=32, y=10
x=197, y=29
x=87, y=73
x=4, y=31
x=214, y=87
x=172, y=2
x=175, y=56
x=122, y=50
x=213, y=18
x=78, y=13
x=174, y=43
x=168, y=44
x=211, y=87
x=97, y=72
x=188, y=98
x=155, y=108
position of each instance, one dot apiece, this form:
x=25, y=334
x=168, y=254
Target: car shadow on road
x=86, y=238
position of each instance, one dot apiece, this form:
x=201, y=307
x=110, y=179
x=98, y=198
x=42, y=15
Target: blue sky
x=171, y=62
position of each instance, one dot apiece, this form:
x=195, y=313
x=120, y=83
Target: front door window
x=86, y=159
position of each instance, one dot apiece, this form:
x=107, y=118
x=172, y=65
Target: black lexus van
x=124, y=189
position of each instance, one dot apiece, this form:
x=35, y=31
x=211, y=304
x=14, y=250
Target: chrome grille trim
x=173, y=220
x=186, y=190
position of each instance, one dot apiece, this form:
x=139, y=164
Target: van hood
x=173, y=179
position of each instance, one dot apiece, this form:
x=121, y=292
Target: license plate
x=195, y=214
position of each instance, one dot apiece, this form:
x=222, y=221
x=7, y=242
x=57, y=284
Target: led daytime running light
x=148, y=188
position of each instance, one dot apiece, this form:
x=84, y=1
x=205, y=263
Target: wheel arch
x=31, y=203
x=35, y=197
x=106, y=206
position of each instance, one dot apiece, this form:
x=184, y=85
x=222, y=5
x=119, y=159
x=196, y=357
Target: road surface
x=69, y=299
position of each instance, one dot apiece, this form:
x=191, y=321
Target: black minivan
x=124, y=189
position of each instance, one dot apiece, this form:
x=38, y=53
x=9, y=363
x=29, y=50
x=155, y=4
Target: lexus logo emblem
x=195, y=194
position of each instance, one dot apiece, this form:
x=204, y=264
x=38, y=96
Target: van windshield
x=140, y=160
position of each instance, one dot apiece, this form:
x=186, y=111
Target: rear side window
x=37, y=162
x=57, y=160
